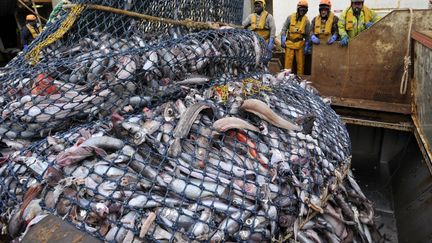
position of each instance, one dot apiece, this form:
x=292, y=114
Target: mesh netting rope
x=134, y=170
x=105, y=79
x=134, y=130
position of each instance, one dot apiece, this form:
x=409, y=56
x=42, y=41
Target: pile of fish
x=263, y=159
x=152, y=132
x=101, y=74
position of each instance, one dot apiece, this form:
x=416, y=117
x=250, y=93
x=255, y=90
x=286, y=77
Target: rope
x=37, y=13
x=187, y=23
x=252, y=86
x=407, y=58
x=33, y=54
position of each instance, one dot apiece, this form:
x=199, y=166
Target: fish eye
x=249, y=221
x=170, y=111
x=236, y=202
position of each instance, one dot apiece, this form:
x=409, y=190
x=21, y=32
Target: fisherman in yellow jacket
x=295, y=37
x=30, y=31
x=262, y=23
x=325, y=25
x=354, y=20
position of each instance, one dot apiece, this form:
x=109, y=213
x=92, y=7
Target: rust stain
x=78, y=239
x=368, y=123
x=423, y=140
x=421, y=91
x=46, y=233
x=424, y=38
x=385, y=49
x=371, y=68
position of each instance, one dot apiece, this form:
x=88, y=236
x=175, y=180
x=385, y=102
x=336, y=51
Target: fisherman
x=30, y=31
x=295, y=37
x=325, y=25
x=354, y=20
x=262, y=23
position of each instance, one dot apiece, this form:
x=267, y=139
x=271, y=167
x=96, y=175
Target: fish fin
x=307, y=121
x=99, y=151
x=296, y=228
x=173, y=148
x=31, y=194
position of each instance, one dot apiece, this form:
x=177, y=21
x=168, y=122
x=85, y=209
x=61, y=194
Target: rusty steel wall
x=412, y=193
x=391, y=170
x=423, y=92
x=368, y=72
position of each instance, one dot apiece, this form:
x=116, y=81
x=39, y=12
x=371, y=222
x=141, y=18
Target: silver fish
x=230, y=224
x=184, y=125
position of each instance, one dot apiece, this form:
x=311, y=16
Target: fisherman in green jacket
x=354, y=20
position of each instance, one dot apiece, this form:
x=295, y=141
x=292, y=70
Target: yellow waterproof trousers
x=289, y=59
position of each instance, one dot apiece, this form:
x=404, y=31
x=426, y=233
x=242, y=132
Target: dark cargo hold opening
x=392, y=173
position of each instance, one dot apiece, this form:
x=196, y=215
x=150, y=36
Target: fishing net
x=205, y=166
x=133, y=129
x=91, y=62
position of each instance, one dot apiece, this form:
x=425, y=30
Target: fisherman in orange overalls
x=295, y=37
x=325, y=25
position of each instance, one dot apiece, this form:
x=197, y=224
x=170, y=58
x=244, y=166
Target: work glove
x=332, y=39
x=271, y=43
x=368, y=25
x=307, y=48
x=25, y=48
x=283, y=40
x=344, y=41
x=315, y=40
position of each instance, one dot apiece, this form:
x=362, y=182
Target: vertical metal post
x=37, y=13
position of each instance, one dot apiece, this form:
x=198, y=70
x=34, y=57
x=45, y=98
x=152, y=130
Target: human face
x=302, y=11
x=258, y=8
x=357, y=6
x=324, y=12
